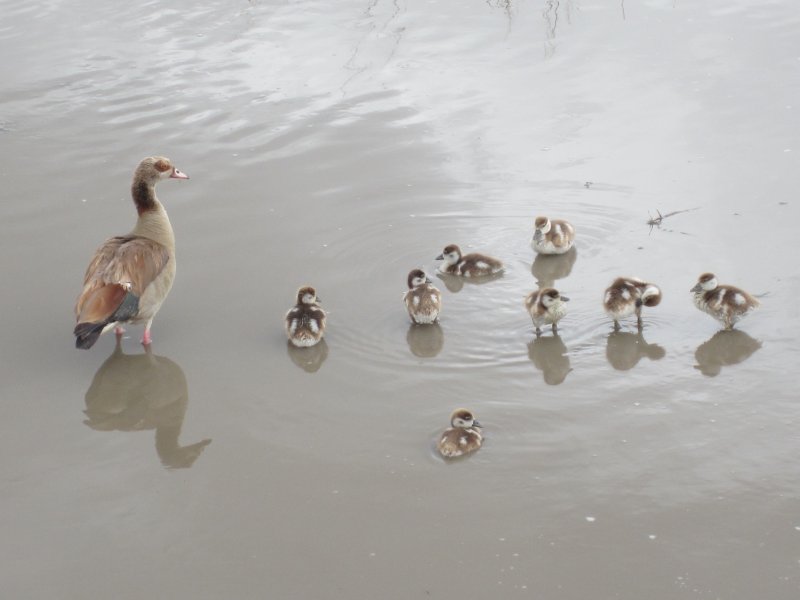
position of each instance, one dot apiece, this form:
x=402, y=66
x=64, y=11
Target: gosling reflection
x=308, y=358
x=725, y=348
x=135, y=392
x=425, y=341
x=455, y=284
x=548, y=268
x=549, y=355
x=624, y=349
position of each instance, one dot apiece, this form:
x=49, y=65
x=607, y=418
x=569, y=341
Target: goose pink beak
x=176, y=174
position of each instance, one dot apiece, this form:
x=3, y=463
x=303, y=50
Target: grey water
x=341, y=144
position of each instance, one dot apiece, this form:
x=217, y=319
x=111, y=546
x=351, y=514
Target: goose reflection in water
x=135, y=392
x=624, y=349
x=725, y=348
x=548, y=268
x=425, y=341
x=455, y=284
x=549, y=355
x=309, y=358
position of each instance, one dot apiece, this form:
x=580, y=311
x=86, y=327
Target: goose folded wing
x=121, y=266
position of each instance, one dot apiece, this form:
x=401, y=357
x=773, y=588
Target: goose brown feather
x=131, y=260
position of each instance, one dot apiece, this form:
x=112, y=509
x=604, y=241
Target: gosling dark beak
x=318, y=299
x=537, y=235
x=440, y=257
x=564, y=298
x=428, y=280
x=476, y=424
x=697, y=288
x=638, y=302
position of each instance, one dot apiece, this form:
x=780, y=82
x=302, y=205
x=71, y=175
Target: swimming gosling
x=423, y=301
x=462, y=437
x=305, y=322
x=467, y=265
x=552, y=236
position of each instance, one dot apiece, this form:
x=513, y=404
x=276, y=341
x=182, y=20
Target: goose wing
x=122, y=264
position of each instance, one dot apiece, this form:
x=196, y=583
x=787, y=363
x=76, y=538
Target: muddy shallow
x=342, y=144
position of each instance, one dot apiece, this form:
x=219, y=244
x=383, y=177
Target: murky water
x=341, y=144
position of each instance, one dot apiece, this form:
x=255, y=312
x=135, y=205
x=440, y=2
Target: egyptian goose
x=462, y=437
x=467, y=265
x=130, y=275
x=552, y=237
x=727, y=304
x=423, y=301
x=626, y=296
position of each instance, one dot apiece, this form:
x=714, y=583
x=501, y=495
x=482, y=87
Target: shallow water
x=342, y=144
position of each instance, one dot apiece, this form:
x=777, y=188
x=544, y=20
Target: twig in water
x=656, y=221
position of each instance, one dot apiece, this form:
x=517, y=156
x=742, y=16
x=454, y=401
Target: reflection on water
x=625, y=349
x=134, y=392
x=547, y=268
x=507, y=6
x=549, y=355
x=454, y=283
x=425, y=341
x=309, y=359
x=725, y=348
x=552, y=14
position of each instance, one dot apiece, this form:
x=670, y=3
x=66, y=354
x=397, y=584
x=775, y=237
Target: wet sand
x=341, y=145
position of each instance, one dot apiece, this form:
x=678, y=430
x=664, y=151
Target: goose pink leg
x=146, y=339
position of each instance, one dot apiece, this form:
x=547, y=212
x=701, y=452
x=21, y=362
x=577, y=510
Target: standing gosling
x=305, y=323
x=423, y=301
x=467, y=265
x=546, y=307
x=726, y=303
x=626, y=296
x=462, y=437
x=552, y=237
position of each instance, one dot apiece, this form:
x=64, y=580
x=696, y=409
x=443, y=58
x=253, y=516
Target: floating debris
x=656, y=221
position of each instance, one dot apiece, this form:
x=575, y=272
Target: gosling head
x=463, y=419
x=541, y=226
x=450, y=255
x=551, y=296
x=651, y=296
x=307, y=295
x=417, y=277
x=705, y=283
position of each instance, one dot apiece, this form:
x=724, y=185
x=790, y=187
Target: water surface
x=342, y=144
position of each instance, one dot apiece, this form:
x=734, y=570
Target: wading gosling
x=726, y=303
x=546, y=307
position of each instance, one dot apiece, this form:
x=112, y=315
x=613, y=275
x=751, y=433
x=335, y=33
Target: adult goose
x=130, y=275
